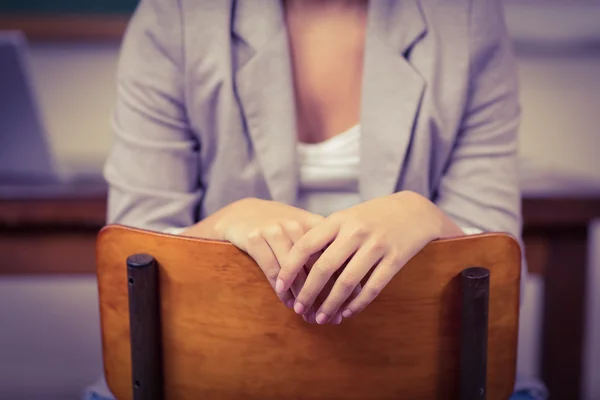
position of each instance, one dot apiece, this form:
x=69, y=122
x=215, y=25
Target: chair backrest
x=225, y=334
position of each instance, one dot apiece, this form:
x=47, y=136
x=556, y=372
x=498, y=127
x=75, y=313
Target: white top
x=329, y=173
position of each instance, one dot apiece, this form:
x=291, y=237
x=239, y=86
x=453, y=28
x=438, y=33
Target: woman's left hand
x=377, y=237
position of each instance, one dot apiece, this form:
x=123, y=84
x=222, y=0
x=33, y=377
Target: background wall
x=58, y=316
x=75, y=85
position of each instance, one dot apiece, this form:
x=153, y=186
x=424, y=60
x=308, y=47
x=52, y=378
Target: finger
x=310, y=314
x=301, y=277
x=310, y=221
x=337, y=319
x=322, y=296
x=361, y=263
x=293, y=231
x=262, y=253
x=311, y=242
x=278, y=240
x=381, y=276
x=333, y=258
x=338, y=315
x=281, y=241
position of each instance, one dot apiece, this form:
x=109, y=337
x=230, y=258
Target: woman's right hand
x=266, y=230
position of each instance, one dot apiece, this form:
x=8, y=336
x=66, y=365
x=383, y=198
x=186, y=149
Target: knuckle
x=320, y=218
x=378, y=245
x=373, y=289
x=358, y=232
x=303, y=247
x=273, y=231
x=322, y=268
x=314, y=219
x=335, y=216
x=396, y=261
x=348, y=282
x=293, y=227
x=255, y=237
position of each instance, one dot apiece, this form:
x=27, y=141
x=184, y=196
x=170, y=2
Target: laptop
x=28, y=168
x=25, y=156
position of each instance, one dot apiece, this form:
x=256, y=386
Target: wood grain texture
x=227, y=336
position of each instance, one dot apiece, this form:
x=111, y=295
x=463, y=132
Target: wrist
x=216, y=225
x=438, y=223
x=210, y=227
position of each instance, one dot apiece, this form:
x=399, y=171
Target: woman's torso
x=242, y=113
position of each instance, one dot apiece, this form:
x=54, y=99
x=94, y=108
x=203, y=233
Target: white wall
x=561, y=111
x=75, y=84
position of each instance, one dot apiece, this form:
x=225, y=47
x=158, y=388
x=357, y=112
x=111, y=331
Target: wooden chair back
x=224, y=334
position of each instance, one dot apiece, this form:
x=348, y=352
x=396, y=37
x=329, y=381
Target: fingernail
x=299, y=308
x=279, y=286
x=347, y=314
x=289, y=303
x=322, y=318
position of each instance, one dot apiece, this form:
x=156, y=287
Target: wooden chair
x=184, y=318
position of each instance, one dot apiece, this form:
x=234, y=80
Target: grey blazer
x=205, y=112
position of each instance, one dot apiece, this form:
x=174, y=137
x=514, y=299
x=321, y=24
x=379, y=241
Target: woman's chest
x=327, y=53
x=409, y=92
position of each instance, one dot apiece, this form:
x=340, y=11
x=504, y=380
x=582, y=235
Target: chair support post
x=144, y=327
x=475, y=285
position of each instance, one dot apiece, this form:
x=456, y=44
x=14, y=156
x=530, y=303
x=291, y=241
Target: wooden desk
x=50, y=236
x=58, y=237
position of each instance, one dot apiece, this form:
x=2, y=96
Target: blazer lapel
x=391, y=94
x=264, y=84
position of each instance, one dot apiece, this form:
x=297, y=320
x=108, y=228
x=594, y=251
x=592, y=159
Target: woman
x=347, y=132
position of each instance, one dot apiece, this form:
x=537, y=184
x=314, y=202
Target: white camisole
x=329, y=173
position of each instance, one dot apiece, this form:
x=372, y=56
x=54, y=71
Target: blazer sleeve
x=153, y=166
x=480, y=187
